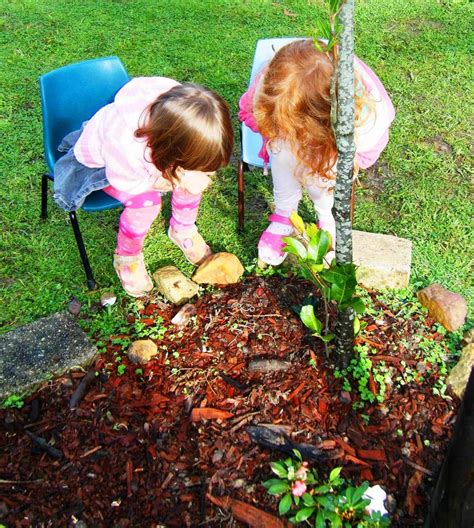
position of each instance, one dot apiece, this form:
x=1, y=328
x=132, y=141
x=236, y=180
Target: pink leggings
x=142, y=209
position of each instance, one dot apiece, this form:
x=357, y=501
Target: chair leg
x=241, y=188
x=91, y=284
x=44, y=197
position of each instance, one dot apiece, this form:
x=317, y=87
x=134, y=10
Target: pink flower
x=301, y=473
x=298, y=488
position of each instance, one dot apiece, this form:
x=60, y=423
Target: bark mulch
x=168, y=445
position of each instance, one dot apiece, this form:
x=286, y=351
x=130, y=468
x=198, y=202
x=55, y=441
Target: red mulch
x=142, y=450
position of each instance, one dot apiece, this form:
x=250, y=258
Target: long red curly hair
x=293, y=103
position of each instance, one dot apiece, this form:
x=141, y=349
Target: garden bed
x=138, y=449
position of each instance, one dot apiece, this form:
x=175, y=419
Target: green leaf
x=279, y=469
x=335, y=520
x=318, y=246
x=278, y=488
x=320, y=520
x=356, y=326
x=295, y=247
x=285, y=504
x=269, y=483
x=323, y=28
x=325, y=501
x=298, y=455
x=310, y=320
x=357, y=304
x=349, y=494
x=308, y=499
x=304, y=513
x=334, y=6
x=325, y=488
x=326, y=338
x=335, y=474
x=358, y=492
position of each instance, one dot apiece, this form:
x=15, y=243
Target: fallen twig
x=5, y=481
x=43, y=444
x=253, y=517
x=418, y=467
x=281, y=442
x=82, y=388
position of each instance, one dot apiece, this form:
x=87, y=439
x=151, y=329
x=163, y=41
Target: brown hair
x=188, y=126
x=293, y=103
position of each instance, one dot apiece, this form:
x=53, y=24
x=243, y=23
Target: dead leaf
x=207, y=413
x=412, y=499
x=248, y=514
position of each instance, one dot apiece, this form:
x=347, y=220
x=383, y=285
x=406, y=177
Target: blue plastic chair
x=69, y=96
x=251, y=142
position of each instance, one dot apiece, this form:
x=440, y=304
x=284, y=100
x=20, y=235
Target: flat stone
x=268, y=365
x=33, y=353
x=446, y=307
x=459, y=375
x=142, y=351
x=174, y=285
x=384, y=261
x=220, y=268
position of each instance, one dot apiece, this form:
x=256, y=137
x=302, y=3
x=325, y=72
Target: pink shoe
x=271, y=242
x=191, y=244
x=133, y=274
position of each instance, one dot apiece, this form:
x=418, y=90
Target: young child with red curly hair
x=156, y=136
x=289, y=104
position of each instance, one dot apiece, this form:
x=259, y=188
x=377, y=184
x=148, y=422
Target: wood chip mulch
x=169, y=445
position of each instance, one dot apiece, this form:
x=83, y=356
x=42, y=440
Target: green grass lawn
x=421, y=189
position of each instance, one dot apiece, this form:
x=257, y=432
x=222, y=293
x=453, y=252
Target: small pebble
x=74, y=306
x=184, y=315
x=217, y=456
x=390, y=503
x=421, y=367
x=108, y=299
x=345, y=397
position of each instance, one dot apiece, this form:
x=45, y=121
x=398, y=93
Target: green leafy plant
x=331, y=503
x=337, y=283
x=360, y=370
x=155, y=331
x=13, y=401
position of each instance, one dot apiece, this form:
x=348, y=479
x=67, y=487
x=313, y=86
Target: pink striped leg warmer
x=136, y=219
x=184, y=209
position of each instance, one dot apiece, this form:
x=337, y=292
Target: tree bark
x=344, y=130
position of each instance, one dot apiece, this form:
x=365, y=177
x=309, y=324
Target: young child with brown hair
x=156, y=136
x=289, y=104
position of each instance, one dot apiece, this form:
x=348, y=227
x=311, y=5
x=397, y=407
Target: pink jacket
x=371, y=137
x=108, y=141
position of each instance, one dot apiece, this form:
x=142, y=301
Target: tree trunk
x=345, y=164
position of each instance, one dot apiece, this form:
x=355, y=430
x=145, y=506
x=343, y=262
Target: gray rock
x=33, y=353
x=268, y=365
